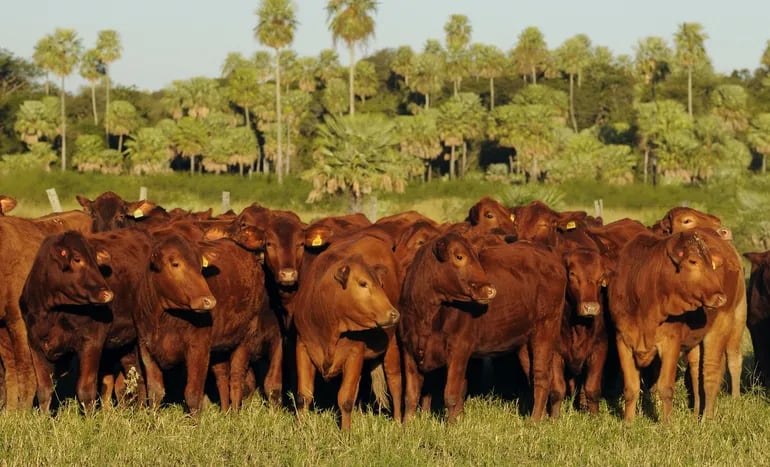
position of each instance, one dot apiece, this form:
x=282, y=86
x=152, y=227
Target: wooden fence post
x=225, y=201
x=142, y=193
x=53, y=198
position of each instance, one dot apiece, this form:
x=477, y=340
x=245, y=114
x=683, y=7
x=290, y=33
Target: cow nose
x=589, y=309
x=204, y=303
x=287, y=276
x=106, y=296
x=394, y=316
x=716, y=300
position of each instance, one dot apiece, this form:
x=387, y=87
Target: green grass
x=490, y=433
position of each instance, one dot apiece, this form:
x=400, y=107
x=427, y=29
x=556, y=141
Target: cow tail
x=380, y=386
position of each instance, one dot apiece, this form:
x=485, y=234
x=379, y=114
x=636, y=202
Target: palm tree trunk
x=430, y=171
x=534, y=76
x=192, y=165
x=491, y=93
x=465, y=160
x=248, y=121
x=63, y=129
x=454, y=86
x=120, y=143
x=535, y=169
x=510, y=165
x=452, y=163
x=764, y=163
x=106, y=104
x=47, y=84
x=572, y=101
x=241, y=168
x=93, y=102
x=427, y=101
x=689, y=90
x=288, y=149
x=279, y=153
x=646, y=162
x=351, y=76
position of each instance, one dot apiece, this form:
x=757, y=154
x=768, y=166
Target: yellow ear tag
x=713, y=265
x=138, y=213
x=205, y=262
x=571, y=225
x=604, y=283
x=317, y=241
x=513, y=218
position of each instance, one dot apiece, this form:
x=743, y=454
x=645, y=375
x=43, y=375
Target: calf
x=64, y=279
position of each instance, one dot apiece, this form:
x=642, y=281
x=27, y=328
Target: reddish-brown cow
x=488, y=215
x=344, y=314
x=539, y=223
x=659, y=280
x=65, y=277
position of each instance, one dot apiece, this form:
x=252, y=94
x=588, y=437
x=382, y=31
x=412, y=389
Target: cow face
x=680, y=219
x=360, y=287
x=73, y=277
x=411, y=240
x=537, y=222
x=284, y=247
x=587, y=275
x=462, y=277
x=108, y=211
x=177, y=265
x=696, y=272
x=489, y=215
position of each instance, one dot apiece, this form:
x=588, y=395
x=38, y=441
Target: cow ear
x=675, y=249
x=103, y=257
x=380, y=272
x=156, y=261
x=441, y=249
x=474, y=214
x=7, y=204
x=139, y=209
x=85, y=203
x=665, y=224
x=62, y=256
x=716, y=261
x=342, y=275
x=208, y=256
x=317, y=237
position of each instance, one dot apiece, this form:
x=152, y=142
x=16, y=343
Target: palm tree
x=459, y=119
x=242, y=87
x=690, y=52
x=489, y=63
x=428, y=74
x=419, y=137
x=275, y=29
x=351, y=21
x=36, y=120
x=66, y=50
x=43, y=58
x=121, y=120
x=147, y=151
x=531, y=53
x=652, y=61
x=458, y=35
x=572, y=57
x=328, y=66
x=110, y=50
x=307, y=68
x=335, y=96
x=91, y=71
x=366, y=80
x=402, y=63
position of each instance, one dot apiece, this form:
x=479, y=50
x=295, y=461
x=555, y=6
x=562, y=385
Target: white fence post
x=53, y=198
x=225, y=201
x=142, y=193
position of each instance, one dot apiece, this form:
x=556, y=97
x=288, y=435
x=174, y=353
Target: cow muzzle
x=287, y=277
x=204, y=303
x=104, y=296
x=390, y=319
x=483, y=294
x=589, y=309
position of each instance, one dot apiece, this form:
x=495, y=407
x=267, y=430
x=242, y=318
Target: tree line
x=456, y=108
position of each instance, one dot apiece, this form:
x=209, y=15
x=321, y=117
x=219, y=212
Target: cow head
x=108, y=211
x=680, y=219
x=488, y=215
x=71, y=270
x=177, y=264
x=360, y=287
x=411, y=240
x=6, y=204
x=460, y=276
x=696, y=272
x=587, y=274
x=758, y=260
x=250, y=237
x=284, y=247
x=537, y=222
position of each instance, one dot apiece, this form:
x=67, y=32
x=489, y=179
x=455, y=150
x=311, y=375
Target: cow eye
x=363, y=284
x=175, y=264
x=76, y=259
x=687, y=221
x=693, y=262
x=490, y=215
x=268, y=243
x=459, y=257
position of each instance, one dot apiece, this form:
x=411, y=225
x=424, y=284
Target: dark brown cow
x=539, y=223
x=174, y=324
x=488, y=215
x=583, y=346
x=411, y=240
x=457, y=305
x=20, y=242
x=759, y=312
x=109, y=211
x=344, y=314
x=64, y=277
x=657, y=303
x=731, y=323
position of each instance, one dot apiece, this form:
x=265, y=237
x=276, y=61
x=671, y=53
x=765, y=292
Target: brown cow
x=451, y=313
x=488, y=215
x=65, y=277
x=109, y=211
x=731, y=328
x=565, y=230
x=344, y=314
x=656, y=303
x=759, y=312
x=583, y=344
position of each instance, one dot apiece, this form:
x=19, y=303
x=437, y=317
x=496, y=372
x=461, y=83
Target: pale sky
x=164, y=40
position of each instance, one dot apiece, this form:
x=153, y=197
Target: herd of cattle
x=132, y=290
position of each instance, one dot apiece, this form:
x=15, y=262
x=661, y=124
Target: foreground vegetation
x=491, y=432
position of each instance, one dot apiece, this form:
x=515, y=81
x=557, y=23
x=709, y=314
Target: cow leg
x=221, y=372
x=44, y=374
x=631, y=380
x=559, y=386
x=305, y=379
x=456, y=383
x=89, y=370
x=592, y=388
x=239, y=361
x=693, y=368
x=155, y=388
x=734, y=342
x=351, y=377
x=669, y=354
x=106, y=388
x=714, y=344
x=10, y=383
x=542, y=376
x=413, y=380
x=273, y=384
x=24, y=369
x=392, y=362
x=197, y=362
